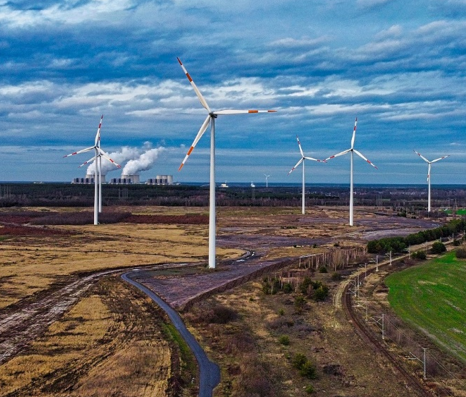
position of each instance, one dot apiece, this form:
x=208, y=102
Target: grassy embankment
x=432, y=298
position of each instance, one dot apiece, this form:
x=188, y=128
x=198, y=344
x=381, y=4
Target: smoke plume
x=124, y=154
x=143, y=163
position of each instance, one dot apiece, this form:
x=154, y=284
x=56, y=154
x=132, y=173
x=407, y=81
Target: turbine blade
x=441, y=158
x=313, y=159
x=97, y=135
x=106, y=156
x=203, y=128
x=338, y=154
x=196, y=90
x=354, y=133
x=297, y=164
x=360, y=155
x=230, y=112
x=421, y=156
x=300, y=148
x=80, y=151
x=87, y=162
x=428, y=171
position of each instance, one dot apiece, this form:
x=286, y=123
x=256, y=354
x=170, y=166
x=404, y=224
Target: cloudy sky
x=398, y=66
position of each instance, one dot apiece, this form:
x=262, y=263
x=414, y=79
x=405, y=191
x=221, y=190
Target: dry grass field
x=32, y=262
x=258, y=342
x=96, y=349
x=115, y=342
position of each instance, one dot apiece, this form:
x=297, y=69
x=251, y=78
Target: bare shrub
x=223, y=315
x=255, y=380
x=204, y=312
x=281, y=323
x=239, y=343
x=461, y=252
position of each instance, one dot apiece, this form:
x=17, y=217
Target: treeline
x=400, y=244
x=76, y=195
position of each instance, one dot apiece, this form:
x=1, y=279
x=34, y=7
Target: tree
x=438, y=248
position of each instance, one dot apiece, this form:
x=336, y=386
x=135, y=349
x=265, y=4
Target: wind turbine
x=352, y=150
x=210, y=119
x=302, y=160
x=99, y=153
x=428, y=174
x=267, y=180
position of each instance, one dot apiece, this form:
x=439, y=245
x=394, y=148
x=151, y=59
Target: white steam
x=143, y=163
x=124, y=154
x=136, y=159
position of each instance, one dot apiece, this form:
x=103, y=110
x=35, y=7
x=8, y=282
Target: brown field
x=95, y=349
x=112, y=341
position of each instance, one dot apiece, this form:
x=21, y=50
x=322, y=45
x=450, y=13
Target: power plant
x=160, y=180
x=87, y=180
x=125, y=180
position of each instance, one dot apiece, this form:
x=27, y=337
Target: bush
x=420, y=255
x=304, y=286
x=284, y=340
x=438, y=248
x=336, y=276
x=299, y=360
x=309, y=389
x=287, y=288
x=299, y=303
x=222, y=315
x=305, y=367
x=266, y=288
x=308, y=370
x=461, y=253
x=321, y=293
x=323, y=269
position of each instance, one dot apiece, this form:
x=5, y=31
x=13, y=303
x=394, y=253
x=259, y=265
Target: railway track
x=411, y=381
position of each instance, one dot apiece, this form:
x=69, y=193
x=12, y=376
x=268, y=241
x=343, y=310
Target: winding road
x=209, y=372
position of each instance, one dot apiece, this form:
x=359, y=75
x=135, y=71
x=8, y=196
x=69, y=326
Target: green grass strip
x=432, y=298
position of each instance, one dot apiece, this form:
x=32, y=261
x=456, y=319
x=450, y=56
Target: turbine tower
x=302, y=160
x=99, y=153
x=428, y=174
x=352, y=150
x=210, y=119
x=267, y=180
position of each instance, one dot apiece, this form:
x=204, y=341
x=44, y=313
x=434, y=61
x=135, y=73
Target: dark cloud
x=320, y=64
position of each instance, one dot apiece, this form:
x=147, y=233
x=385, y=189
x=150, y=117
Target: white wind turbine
x=267, y=180
x=99, y=153
x=210, y=119
x=302, y=160
x=352, y=150
x=428, y=174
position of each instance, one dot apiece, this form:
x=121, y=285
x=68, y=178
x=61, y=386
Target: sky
x=398, y=66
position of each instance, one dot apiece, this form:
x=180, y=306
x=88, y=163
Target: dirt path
x=19, y=328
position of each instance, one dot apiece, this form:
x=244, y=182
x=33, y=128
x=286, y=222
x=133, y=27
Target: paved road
x=209, y=372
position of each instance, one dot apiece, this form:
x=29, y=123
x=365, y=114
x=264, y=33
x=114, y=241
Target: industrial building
x=125, y=180
x=160, y=180
x=87, y=180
